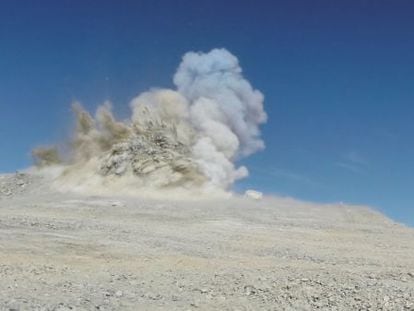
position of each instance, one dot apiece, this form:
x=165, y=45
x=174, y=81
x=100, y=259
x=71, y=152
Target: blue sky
x=338, y=78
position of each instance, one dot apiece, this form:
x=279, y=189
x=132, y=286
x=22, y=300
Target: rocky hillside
x=71, y=252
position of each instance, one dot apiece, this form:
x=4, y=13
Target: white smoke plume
x=185, y=138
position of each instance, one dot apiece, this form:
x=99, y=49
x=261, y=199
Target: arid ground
x=77, y=252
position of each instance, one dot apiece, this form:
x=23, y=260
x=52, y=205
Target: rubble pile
x=149, y=153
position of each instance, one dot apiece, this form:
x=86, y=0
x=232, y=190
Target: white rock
x=253, y=194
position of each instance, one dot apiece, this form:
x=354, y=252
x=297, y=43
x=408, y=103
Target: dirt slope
x=72, y=252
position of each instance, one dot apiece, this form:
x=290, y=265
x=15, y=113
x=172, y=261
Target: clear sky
x=338, y=77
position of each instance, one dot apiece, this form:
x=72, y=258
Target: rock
x=253, y=194
x=20, y=183
x=117, y=204
x=152, y=149
x=249, y=290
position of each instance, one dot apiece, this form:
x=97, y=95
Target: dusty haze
x=188, y=139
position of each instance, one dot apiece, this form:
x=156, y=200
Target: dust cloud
x=183, y=140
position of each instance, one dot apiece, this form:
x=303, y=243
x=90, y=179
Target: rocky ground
x=72, y=252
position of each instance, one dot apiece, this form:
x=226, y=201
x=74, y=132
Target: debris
x=148, y=152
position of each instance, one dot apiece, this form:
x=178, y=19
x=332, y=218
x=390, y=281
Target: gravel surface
x=72, y=252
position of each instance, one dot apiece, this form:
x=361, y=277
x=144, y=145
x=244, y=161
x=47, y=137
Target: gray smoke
x=189, y=138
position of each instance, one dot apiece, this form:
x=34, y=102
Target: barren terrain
x=72, y=252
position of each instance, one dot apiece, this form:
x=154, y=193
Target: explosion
x=187, y=138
